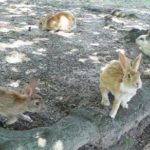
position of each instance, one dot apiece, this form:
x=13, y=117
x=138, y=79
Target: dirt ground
x=67, y=64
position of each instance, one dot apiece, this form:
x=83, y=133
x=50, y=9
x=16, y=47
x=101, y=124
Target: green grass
x=127, y=142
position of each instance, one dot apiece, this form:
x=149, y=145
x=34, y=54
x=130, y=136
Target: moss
x=127, y=142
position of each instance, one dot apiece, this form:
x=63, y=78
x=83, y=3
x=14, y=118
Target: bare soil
x=68, y=64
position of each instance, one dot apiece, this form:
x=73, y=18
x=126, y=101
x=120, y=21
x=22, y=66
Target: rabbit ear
x=34, y=83
x=136, y=62
x=123, y=61
x=28, y=91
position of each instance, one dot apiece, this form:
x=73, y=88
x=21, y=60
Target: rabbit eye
x=142, y=39
x=37, y=103
x=129, y=76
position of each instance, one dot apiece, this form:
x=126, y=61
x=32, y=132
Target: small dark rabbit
x=13, y=104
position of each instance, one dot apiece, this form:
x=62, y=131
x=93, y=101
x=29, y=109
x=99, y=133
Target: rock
x=80, y=127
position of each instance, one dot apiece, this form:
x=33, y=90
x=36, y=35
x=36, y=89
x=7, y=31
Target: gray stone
x=80, y=127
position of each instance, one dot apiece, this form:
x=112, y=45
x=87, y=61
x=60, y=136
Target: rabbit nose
x=137, y=84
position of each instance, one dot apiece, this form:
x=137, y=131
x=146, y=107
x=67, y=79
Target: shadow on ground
x=68, y=65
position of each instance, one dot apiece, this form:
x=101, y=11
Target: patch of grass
x=127, y=142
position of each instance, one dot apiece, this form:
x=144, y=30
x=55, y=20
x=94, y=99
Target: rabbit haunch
x=121, y=78
x=14, y=104
x=60, y=21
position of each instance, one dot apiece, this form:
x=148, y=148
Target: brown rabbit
x=61, y=21
x=14, y=104
x=121, y=78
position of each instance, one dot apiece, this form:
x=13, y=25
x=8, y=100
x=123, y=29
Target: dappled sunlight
x=138, y=25
x=20, y=147
x=21, y=9
x=65, y=62
x=96, y=33
x=95, y=53
x=94, y=59
x=15, y=44
x=9, y=29
x=101, y=15
x=41, y=142
x=30, y=71
x=83, y=60
x=59, y=97
x=129, y=23
x=40, y=51
x=144, y=12
x=58, y=145
x=90, y=18
x=110, y=27
x=72, y=51
x=16, y=57
x=94, y=44
x=14, y=69
x=4, y=24
x=37, y=39
x=102, y=68
x=13, y=11
x=118, y=20
x=91, y=15
x=120, y=51
x=3, y=1
x=64, y=34
x=26, y=27
x=15, y=30
x=21, y=5
x=147, y=71
x=14, y=84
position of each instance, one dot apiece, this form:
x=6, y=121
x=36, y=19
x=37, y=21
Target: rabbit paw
x=124, y=105
x=105, y=102
x=26, y=118
x=112, y=115
x=11, y=120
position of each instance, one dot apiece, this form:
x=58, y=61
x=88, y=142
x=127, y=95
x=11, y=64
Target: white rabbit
x=143, y=42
